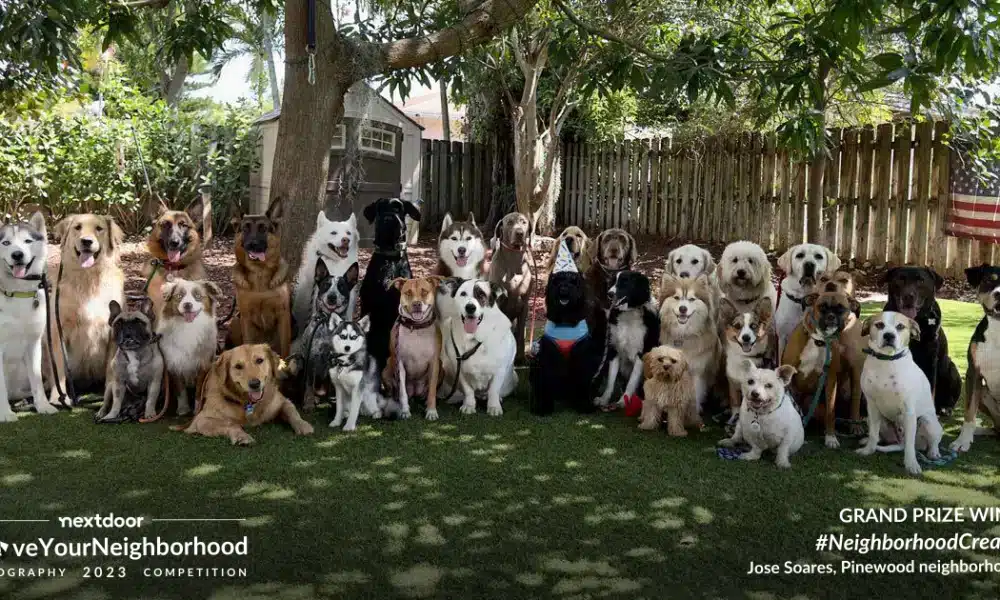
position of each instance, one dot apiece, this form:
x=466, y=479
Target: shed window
x=338, y=138
x=378, y=140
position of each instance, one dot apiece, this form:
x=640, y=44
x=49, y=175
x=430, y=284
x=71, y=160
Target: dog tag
x=755, y=426
x=932, y=321
x=249, y=409
x=678, y=343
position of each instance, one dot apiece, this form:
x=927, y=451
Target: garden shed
x=375, y=154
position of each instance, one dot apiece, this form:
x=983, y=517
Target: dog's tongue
x=174, y=256
x=256, y=396
x=190, y=316
x=87, y=260
x=20, y=271
x=257, y=255
x=471, y=325
x=461, y=260
x=909, y=312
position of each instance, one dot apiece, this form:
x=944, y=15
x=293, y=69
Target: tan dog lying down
x=241, y=389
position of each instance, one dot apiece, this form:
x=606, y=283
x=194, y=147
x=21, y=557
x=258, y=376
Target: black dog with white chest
x=634, y=330
x=389, y=261
x=572, y=353
x=912, y=293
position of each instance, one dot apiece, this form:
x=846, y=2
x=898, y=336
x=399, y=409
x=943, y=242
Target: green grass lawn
x=566, y=507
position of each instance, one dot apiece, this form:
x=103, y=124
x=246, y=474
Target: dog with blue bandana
x=573, y=350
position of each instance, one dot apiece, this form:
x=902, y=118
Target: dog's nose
x=745, y=337
x=345, y=241
x=996, y=296
x=461, y=250
x=682, y=309
x=809, y=267
x=17, y=255
x=684, y=274
x=908, y=299
x=188, y=307
x=470, y=309
x=831, y=287
x=86, y=242
x=254, y=384
x=754, y=395
x=741, y=273
x=347, y=349
x=889, y=337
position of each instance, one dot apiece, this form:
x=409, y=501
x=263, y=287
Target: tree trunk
x=174, y=87
x=445, y=119
x=815, y=230
x=269, y=56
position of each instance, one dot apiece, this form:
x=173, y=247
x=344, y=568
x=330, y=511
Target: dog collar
x=757, y=414
x=874, y=354
x=22, y=295
x=794, y=299
x=811, y=322
x=511, y=248
x=415, y=325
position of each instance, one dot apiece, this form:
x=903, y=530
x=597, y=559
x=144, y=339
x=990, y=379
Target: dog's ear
x=884, y=279
x=709, y=262
x=472, y=220
x=213, y=290
x=701, y=279
x=727, y=310
x=114, y=309
x=161, y=208
x=974, y=275
x=398, y=283
x=353, y=274
x=146, y=308
x=854, y=304
x=115, y=234
x=275, y=361
x=446, y=222
x=938, y=280
x=411, y=210
x=167, y=291
x=648, y=363
x=275, y=211
x=321, y=219
x=631, y=252
x=353, y=222
x=450, y=285
x=196, y=210
x=497, y=293
x=435, y=280
x=809, y=299
x=334, y=321
x=866, y=326
x=37, y=222
x=321, y=272
x=763, y=309
x=220, y=370
x=237, y=224
x=59, y=231
x=785, y=260
x=363, y=323
x=832, y=260
x=371, y=211
x=785, y=373
x=668, y=266
x=746, y=366
x=914, y=329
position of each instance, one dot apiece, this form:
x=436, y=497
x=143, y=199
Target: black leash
x=461, y=359
x=63, y=397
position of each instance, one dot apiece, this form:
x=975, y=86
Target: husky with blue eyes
x=353, y=371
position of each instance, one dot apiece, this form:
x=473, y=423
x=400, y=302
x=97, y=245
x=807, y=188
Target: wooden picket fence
x=455, y=179
x=885, y=193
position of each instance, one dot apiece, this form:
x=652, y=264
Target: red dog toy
x=633, y=405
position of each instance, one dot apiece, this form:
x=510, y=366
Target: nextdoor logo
x=3, y=549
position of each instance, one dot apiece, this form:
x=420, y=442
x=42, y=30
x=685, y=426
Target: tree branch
x=607, y=35
x=148, y=4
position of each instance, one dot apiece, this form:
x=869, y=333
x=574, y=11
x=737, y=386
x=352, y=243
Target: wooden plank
x=653, y=176
x=455, y=181
x=921, y=233
x=616, y=192
x=579, y=218
x=799, y=206
x=633, y=187
x=704, y=227
x=666, y=183
x=443, y=185
x=426, y=162
x=644, y=181
x=767, y=193
x=901, y=193
x=849, y=191
x=882, y=190
x=607, y=186
x=866, y=154
x=940, y=252
x=466, y=183
x=783, y=175
x=831, y=182
x=756, y=204
x=746, y=169
x=570, y=168
x=593, y=196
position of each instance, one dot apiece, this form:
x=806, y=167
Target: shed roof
x=275, y=114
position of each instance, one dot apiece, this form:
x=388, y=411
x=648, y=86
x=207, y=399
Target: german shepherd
x=177, y=246
x=263, y=297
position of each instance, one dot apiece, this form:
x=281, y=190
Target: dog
x=188, y=337
x=744, y=275
x=898, y=392
x=461, y=249
x=353, y=371
x=335, y=244
x=668, y=389
x=838, y=281
x=389, y=261
x=768, y=418
x=579, y=248
x=803, y=265
x=572, y=351
x=479, y=346
x=263, y=297
x=822, y=331
x=241, y=390
x=176, y=247
x=137, y=368
x=634, y=327
x=23, y=255
x=91, y=279
x=613, y=251
x=334, y=294
x=747, y=336
x=687, y=262
x=415, y=346
x=510, y=267
x=983, y=374
x=687, y=322
x=912, y=293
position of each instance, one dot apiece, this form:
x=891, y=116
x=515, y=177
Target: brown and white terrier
x=176, y=247
x=669, y=389
x=263, y=295
x=415, y=346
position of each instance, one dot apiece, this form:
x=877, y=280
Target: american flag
x=974, y=210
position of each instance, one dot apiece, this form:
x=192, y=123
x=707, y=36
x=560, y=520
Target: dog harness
x=459, y=359
x=566, y=336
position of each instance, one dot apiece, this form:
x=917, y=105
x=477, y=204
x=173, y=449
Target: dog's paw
x=831, y=442
x=602, y=400
x=183, y=410
x=149, y=413
x=865, y=450
x=494, y=410
x=782, y=463
x=913, y=467
x=377, y=414
x=431, y=414
x=242, y=439
x=961, y=445
x=350, y=427
x=8, y=416
x=749, y=456
x=726, y=443
x=302, y=428
x=43, y=407
x=336, y=423
x=468, y=409
x=405, y=413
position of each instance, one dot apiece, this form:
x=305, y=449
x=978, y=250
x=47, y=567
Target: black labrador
x=911, y=292
x=389, y=261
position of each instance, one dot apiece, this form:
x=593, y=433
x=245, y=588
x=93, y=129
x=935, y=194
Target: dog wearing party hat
x=573, y=351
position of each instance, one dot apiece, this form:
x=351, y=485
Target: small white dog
x=478, y=345
x=189, y=338
x=23, y=253
x=768, y=418
x=687, y=321
x=336, y=244
x=744, y=275
x=803, y=265
x=897, y=390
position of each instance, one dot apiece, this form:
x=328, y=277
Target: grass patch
x=474, y=507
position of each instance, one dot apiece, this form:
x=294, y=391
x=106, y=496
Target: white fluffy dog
x=479, y=345
x=189, y=338
x=336, y=244
x=768, y=418
x=744, y=275
x=898, y=392
x=687, y=322
x=803, y=265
